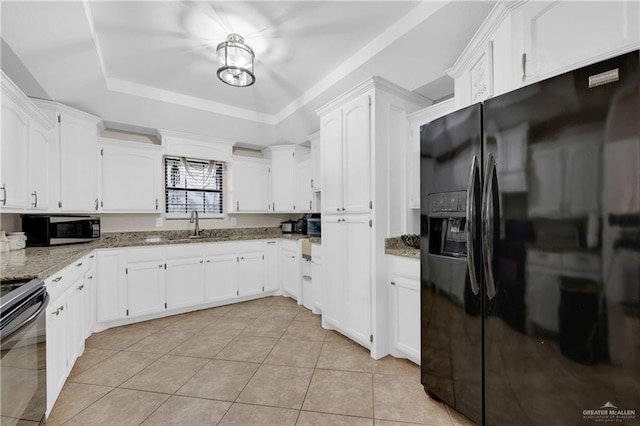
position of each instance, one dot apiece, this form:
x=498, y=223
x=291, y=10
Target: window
x=193, y=185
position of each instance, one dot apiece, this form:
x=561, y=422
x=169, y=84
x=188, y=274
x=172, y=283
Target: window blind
x=192, y=184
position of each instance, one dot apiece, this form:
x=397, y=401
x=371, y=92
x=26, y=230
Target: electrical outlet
x=158, y=221
x=233, y=221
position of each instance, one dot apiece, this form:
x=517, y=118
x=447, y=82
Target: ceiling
x=152, y=63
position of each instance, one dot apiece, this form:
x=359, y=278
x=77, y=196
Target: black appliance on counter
x=44, y=231
x=314, y=225
x=287, y=227
x=23, y=345
x=522, y=322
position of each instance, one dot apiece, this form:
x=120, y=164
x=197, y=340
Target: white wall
x=147, y=222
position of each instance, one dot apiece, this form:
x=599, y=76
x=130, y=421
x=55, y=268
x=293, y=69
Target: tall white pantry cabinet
x=358, y=130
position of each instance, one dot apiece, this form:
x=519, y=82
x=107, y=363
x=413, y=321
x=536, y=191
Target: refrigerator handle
x=471, y=214
x=487, y=225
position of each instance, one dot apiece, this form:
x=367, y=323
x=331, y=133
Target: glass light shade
x=235, y=62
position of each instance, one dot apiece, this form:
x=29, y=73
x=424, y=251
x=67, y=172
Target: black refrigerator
x=530, y=252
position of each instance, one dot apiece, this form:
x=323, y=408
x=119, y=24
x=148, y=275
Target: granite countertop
x=42, y=262
x=396, y=247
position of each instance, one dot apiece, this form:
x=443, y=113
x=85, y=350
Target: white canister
x=17, y=242
x=4, y=242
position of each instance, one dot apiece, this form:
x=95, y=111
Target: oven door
x=23, y=378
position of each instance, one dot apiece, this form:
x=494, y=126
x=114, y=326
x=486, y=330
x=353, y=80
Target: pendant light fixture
x=235, y=62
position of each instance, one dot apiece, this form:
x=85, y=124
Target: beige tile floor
x=263, y=362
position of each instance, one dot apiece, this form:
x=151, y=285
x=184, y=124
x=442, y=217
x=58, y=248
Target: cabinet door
x=90, y=302
x=221, y=277
x=111, y=291
x=130, y=179
x=333, y=259
x=283, y=180
x=290, y=274
x=56, y=348
x=545, y=179
x=39, y=142
x=145, y=288
x=405, y=295
x=250, y=273
x=251, y=187
x=271, y=268
x=315, y=161
x=78, y=165
x=304, y=192
x=185, y=282
x=357, y=234
x=356, y=142
x=331, y=162
x=75, y=317
x=15, y=150
x=582, y=185
x=555, y=41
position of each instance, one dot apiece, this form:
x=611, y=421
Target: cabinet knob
x=90, y=277
x=35, y=196
x=156, y=204
x=338, y=209
x=79, y=264
x=159, y=266
x=208, y=261
x=524, y=66
x=202, y=261
x=96, y=204
x=392, y=283
x=56, y=279
x=4, y=195
x=81, y=287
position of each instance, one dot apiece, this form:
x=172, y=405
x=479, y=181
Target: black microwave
x=44, y=231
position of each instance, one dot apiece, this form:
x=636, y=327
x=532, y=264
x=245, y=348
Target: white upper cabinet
x=523, y=42
x=40, y=141
x=78, y=161
x=346, y=159
x=251, y=186
x=331, y=161
x=314, y=139
x=26, y=139
x=417, y=120
x=304, y=191
x=283, y=176
x=560, y=36
x=15, y=154
x=73, y=159
x=131, y=179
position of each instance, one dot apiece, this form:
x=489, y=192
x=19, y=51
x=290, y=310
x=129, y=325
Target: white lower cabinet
x=250, y=268
x=404, y=278
x=111, y=285
x=184, y=276
x=271, y=265
x=145, y=288
x=290, y=262
x=56, y=314
x=346, y=242
x=317, y=272
x=221, y=272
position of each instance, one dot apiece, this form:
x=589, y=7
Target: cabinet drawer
x=544, y=258
x=581, y=262
x=221, y=248
x=58, y=283
x=184, y=251
x=289, y=245
x=147, y=254
x=250, y=246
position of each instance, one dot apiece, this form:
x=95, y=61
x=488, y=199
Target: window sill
x=187, y=216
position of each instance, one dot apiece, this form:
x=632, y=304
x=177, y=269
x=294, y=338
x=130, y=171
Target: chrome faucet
x=194, y=214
